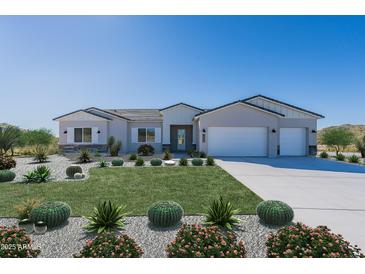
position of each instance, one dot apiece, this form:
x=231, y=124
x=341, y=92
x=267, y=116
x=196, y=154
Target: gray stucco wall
x=102, y=125
x=244, y=116
x=119, y=129
x=132, y=147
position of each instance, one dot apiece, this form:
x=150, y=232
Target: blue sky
x=53, y=65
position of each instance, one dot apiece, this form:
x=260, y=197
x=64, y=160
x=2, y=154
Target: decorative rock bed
x=64, y=241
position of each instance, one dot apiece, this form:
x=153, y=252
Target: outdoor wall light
x=65, y=132
x=204, y=130
x=273, y=130
x=314, y=131
x=98, y=131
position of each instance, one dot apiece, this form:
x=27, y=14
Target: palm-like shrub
x=7, y=162
x=202, y=154
x=221, y=213
x=275, y=212
x=51, y=213
x=23, y=209
x=301, y=241
x=40, y=174
x=340, y=157
x=139, y=162
x=183, y=162
x=107, y=217
x=6, y=176
x=210, y=161
x=323, y=155
x=9, y=135
x=115, y=148
x=40, y=154
x=165, y=213
x=197, y=162
x=103, y=164
x=167, y=155
x=156, y=162
x=354, y=159
x=146, y=150
x=193, y=241
x=110, y=143
x=118, y=162
x=109, y=245
x=84, y=156
x=16, y=239
x=72, y=170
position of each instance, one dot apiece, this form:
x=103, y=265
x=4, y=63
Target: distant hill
x=357, y=130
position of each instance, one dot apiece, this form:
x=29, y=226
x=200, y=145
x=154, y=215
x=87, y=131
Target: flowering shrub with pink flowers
x=110, y=245
x=301, y=241
x=195, y=241
x=15, y=243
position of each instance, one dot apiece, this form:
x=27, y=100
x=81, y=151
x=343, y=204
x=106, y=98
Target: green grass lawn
x=193, y=187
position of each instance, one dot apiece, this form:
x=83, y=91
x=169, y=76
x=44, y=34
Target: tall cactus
x=275, y=212
x=51, y=213
x=165, y=214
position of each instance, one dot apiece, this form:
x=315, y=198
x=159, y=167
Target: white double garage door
x=253, y=141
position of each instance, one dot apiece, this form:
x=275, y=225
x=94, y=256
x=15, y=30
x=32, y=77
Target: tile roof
x=138, y=114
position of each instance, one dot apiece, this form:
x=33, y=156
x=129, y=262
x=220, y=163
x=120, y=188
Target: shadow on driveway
x=305, y=163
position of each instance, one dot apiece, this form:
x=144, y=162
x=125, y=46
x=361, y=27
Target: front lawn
x=193, y=187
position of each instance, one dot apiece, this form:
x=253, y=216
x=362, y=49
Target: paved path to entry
x=322, y=192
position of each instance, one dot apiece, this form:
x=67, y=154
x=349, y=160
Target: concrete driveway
x=321, y=192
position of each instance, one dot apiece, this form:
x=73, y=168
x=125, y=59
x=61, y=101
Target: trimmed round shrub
x=71, y=170
x=165, y=213
x=194, y=241
x=275, y=212
x=51, y=213
x=7, y=162
x=183, y=162
x=139, y=162
x=6, y=176
x=78, y=176
x=133, y=157
x=156, y=162
x=301, y=241
x=110, y=245
x=118, y=162
x=146, y=150
x=13, y=240
x=323, y=155
x=197, y=162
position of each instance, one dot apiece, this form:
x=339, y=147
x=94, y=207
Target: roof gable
x=291, y=111
x=80, y=115
x=182, y=104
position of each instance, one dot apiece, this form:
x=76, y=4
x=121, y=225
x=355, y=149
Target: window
x=151, y=135
x=141, y=135
x=146, y=135
x=82, y=135
x=203, y=138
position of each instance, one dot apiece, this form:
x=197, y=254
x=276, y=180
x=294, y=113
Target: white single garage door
x=293, y=141
x=237, y=141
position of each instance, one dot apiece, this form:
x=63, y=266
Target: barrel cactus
x=165, y=213
x=6, y=176
x=275, y=212
x=79, y=176
x=71, y=170
x=117, y=162
x=156, y=162
x=51, y=213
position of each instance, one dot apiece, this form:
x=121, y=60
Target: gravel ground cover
x=56, y=163
x=69, y=239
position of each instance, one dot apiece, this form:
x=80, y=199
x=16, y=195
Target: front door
x=181, y=143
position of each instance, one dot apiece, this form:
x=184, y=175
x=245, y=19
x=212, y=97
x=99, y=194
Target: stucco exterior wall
x=101, y=125
x=179, y=115
x=240, y=116
x=132, y=147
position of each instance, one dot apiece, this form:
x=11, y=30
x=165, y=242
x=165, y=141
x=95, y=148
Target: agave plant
x=220, y=213
x=107, y=217
x=103, y=164
x=84, y=156
x=41, y=174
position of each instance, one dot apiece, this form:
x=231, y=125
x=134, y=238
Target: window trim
x=82, y=135
x=146, y=135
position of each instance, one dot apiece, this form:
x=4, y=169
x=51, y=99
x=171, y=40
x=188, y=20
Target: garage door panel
x=237, y=141
x=293, y=141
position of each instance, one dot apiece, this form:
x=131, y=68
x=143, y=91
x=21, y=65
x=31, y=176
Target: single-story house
x=255, y=126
